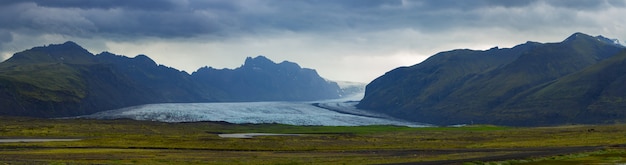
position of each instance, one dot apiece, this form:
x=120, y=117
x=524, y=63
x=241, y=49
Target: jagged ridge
x=260, y=79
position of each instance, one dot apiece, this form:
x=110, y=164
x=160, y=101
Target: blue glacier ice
x=327, y=113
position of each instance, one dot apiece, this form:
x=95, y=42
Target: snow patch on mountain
x=609, y=40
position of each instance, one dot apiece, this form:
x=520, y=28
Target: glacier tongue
x=292, y=113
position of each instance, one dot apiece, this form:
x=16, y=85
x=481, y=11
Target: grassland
x=144, y=142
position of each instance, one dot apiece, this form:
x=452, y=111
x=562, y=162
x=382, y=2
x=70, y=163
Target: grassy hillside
x=47, y=84
x=67, y=80
x=596, y=93
x=39, y=82
x=431, y=81
x=53, y=74
x=466, y=86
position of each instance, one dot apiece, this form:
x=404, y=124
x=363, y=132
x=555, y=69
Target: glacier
x=324, y=113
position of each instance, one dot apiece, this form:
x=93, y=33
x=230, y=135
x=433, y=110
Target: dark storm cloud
x=26, y=18
x=585, y=4
x=477, y=4
x=105, y=19
x=124, y=19
x=471, y=5
x=5, y=37
x=355, y=3
x=99, y=4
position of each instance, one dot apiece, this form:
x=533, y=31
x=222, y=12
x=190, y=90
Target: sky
x=344, y=40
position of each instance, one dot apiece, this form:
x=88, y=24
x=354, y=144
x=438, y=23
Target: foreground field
x=142, y=142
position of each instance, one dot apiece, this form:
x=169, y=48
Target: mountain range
x=580, y=80
x=260, y=79
x=577, y=81
x=67, y=80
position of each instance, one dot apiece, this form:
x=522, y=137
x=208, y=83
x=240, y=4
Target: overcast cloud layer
x=355, y=40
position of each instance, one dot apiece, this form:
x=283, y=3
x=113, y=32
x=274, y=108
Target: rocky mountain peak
x=577, y=37
x=258, y=61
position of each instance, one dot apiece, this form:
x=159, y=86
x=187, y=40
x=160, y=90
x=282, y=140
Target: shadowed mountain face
x=523, y=85
x=260, y=79
x=67, y=80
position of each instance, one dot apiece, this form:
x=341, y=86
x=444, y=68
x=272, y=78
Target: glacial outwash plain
x=146, y=142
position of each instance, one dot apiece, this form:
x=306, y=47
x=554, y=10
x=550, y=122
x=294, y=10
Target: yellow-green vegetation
x=51, y=81
x=144, y=142
x=605, y=156
x=579, y=80
x=47, y=76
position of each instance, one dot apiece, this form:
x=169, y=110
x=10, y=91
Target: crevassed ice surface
x=293, y=113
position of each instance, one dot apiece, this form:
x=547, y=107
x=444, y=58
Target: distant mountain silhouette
x=529, y=84
x=67, y=80
x=260, y=79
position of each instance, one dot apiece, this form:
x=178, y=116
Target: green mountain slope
x=35, y=81
x=596, y=94
x=430, y=82
x=465, y=86
x=66, y=80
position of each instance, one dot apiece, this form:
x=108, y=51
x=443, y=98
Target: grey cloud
x=123, y=23
x=355, y=4
x=100, y=4
x=5, y=37
x=125, y=20
x=471, y=5
x=28, y=18
x=118, y=22
x=477, y=4
x=584, y=4
x=617, y=3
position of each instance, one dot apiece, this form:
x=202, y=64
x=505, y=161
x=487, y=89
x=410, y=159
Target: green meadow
x=146, y=142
